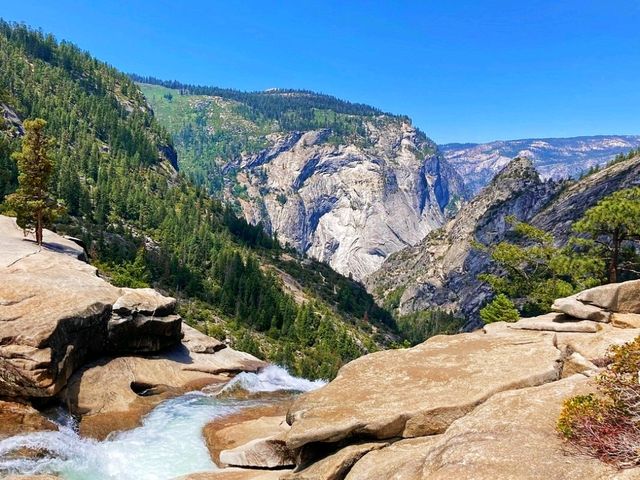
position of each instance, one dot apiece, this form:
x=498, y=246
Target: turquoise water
x=168, y=444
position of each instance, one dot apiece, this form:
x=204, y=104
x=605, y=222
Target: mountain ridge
x=555, y=157
x=441, y=271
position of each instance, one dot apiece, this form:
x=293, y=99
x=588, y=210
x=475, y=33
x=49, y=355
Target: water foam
x=272, y=379
x=168, y=444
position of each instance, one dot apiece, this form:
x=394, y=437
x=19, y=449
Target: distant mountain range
x=553, y=157
x=345, y=183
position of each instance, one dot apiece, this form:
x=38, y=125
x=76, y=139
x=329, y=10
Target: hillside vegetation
x=145, y=223
x=214, y=127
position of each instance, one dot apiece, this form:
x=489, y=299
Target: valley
x=346, y=185
x=204, y=283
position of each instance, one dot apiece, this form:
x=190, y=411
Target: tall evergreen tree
x=33, y=203
x=612, y=222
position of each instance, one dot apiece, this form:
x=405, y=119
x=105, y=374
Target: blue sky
x=463, y=70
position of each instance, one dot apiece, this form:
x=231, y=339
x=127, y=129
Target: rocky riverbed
x=99, y=383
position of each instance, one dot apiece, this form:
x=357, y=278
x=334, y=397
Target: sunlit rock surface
x=553, y=157
x=349, y=205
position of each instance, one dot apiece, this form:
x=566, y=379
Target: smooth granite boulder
x=422, y=390
x=145, y=301
x=511, y=436
x=252, y=437
x=556, y=322
x=573, y=307
x=616, y=297
x=56, y=314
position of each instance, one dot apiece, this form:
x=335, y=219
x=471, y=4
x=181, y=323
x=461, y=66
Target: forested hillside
x=145, y=223
x=344, y=183
x=213, y=127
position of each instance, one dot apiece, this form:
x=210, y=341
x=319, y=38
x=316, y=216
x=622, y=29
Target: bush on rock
x=606, y=425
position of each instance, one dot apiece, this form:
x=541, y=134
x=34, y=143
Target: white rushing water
x=168, y=444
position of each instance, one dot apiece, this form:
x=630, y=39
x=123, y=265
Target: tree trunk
x=615, y=253
x=39, y=228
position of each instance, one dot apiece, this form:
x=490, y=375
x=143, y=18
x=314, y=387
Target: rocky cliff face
x=348, y=205
x=343, y=183
x=440, y=272
x=553, y=157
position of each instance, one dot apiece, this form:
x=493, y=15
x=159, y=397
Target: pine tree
x=612, y=222
x=501, y=309
x=32, y=201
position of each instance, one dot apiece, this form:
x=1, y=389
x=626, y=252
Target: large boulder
x=252, y=437
x=266, y=452
x=54, y=311
x=56, y=314
x=114, y=393
x=422, y=390
x=616, y=297
x=556, y=322
x=511, y=436
x=144, y=301
x=575, y=308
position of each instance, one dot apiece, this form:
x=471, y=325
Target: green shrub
x=501, y=309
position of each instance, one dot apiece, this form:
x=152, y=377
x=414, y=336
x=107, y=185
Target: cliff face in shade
x=553, y=157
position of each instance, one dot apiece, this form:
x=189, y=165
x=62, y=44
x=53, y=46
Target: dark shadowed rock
x=336, y=465
x=18, y=419
x=142, y=333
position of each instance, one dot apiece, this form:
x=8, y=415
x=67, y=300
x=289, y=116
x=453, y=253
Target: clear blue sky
x=463, y=70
